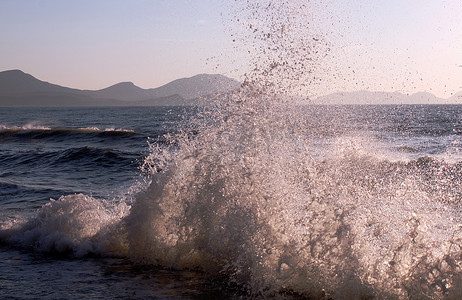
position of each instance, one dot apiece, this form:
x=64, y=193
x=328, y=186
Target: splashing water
x=247, y=199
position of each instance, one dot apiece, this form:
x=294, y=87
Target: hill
x=456, y=98
x=367, y=97
x=20, y=89
x=125, y=91
x=16, y=82
x=196, y=86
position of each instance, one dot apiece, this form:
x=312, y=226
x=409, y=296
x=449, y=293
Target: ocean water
x=239, y=199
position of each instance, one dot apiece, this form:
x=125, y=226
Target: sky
x=378, y=45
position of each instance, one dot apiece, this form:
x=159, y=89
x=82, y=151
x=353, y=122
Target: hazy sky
x=379, y=45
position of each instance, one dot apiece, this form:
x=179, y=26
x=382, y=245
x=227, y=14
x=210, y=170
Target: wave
x=246, y=200
x=83, y=155
x=109, y=129
x=77, y=224
x=42, y=132
x=25, y=127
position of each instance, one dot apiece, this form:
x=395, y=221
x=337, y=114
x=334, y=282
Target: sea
x=234, y=200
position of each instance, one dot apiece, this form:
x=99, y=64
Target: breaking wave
x=246, y=199
x=42, y=132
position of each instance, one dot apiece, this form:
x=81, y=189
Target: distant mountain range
x=20, y=89
x=367, y=97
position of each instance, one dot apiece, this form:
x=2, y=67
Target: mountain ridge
x=364, y=97
x=16, y=81
x=18, y=88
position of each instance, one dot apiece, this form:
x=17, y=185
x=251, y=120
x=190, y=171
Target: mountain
x=187, y=88
x=456, y=98
x=424, y=98
x=196, y=86
x=20, y=89
x=360, y=97
x=15, y=82
x=367, y=97
x=126, y=91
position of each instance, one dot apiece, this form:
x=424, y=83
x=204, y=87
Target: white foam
x=76, y=223
x=30, y=126
x=244, y=198
x=108, y=129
